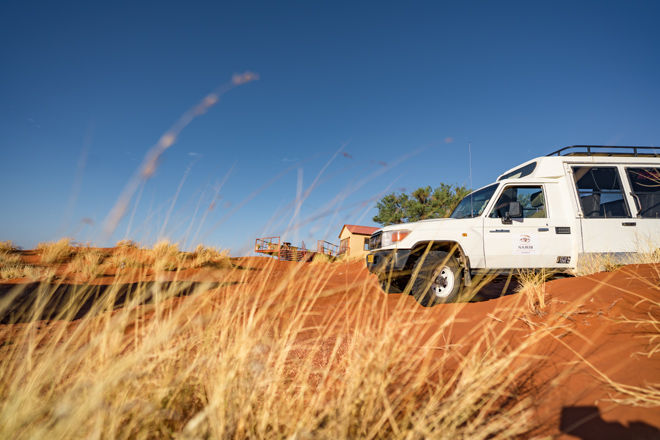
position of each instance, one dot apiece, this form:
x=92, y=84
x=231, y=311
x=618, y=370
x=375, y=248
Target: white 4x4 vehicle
x=547, y=213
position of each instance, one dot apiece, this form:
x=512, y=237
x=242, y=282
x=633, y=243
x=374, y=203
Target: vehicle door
x=606, y=221
x=645, y=190
x=524, y=241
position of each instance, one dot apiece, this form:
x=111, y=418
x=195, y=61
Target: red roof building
x=355, y=239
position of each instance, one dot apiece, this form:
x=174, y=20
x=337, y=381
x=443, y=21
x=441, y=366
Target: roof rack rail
x=601, y=150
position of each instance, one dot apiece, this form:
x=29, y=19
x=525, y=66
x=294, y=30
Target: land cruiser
x=547, y=213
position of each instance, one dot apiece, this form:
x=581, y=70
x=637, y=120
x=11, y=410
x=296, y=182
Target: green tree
x=421, y=204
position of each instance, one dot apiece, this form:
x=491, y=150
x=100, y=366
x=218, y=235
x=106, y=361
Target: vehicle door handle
x=544, y=229
x=629, y=224
x=499, y=230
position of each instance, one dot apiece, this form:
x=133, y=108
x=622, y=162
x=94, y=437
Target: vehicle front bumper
x=387, y=261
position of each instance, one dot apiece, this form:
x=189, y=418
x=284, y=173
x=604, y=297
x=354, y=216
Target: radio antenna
x=470, y=164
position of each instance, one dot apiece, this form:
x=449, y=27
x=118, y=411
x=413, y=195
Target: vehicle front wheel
x=439, y=280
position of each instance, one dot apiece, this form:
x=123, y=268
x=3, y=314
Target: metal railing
x=324, y=247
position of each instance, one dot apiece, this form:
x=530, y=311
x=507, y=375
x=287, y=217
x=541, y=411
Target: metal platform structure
x=284, y=251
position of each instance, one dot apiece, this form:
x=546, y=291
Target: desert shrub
x=55, y=252
x=11, y=272
x=165, y=248
x=132, y=260
x=27, y=271
x=165, y=264
x=164, y=256
x=7, y=259
x=45, y=274
x=8, y=247
x=322, y=259
x=209, y=256
x=127, y=244
x=11, y=266
x=88, y=262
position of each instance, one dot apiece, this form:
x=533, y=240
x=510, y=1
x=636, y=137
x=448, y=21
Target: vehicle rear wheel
x=439, y=280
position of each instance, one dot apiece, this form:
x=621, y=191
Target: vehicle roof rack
x=607, y=150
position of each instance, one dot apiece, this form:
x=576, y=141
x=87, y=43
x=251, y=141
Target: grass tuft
x=320, y=259
x=55, y=252
x=127, y=244
x=164, y=256
x=88, y=262
x=532, y=286
x=8, y=247
x=209, y=257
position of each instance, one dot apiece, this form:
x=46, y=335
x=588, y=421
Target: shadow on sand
x=586, y=423
x=40, y=301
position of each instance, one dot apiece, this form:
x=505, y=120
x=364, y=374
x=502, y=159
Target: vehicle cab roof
x=552, y=166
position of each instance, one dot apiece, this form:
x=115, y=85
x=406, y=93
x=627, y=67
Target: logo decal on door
x=525, y=244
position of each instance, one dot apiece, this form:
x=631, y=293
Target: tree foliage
x=421, y=204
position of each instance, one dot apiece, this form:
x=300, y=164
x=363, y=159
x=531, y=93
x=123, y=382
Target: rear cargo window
x=645, y=184
x=600, y=192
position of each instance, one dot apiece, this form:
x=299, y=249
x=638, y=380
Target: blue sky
x=354, y=100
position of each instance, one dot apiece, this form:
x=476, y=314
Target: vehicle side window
x=600, y=192
x=645, y=185
x=531, y=198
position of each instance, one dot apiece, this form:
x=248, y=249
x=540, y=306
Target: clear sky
x=353, y=100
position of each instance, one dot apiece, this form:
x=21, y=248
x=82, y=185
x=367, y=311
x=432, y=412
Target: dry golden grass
x=8, y=247
x=55, y=252
x=122, y=260
x=346, y=258
x=12, y=271
x=589, y=264
x=532, y=286
x=27, y=271
x=234, y=369
x=12, y=267
x=88, y=262
x=7, y=259
x=164, y=256
x=127, y=244
x=209, y=257
x=648, y=252
x=320, y=259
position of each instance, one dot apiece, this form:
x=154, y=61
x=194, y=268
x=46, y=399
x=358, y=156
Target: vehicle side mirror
x=515, y=211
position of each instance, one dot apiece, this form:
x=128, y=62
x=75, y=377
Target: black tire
x=439, y=280
x=389, y=286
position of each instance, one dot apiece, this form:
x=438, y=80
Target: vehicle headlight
x=391, y=237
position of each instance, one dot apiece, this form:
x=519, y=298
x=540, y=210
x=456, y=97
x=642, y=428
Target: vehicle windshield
x=473, y=204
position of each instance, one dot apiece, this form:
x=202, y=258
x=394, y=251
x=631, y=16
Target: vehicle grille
x=375, y=241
